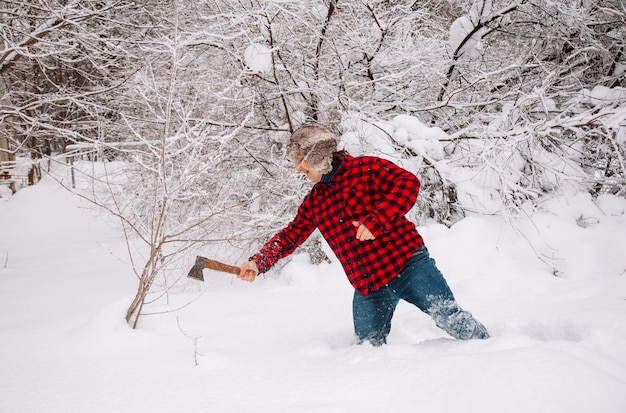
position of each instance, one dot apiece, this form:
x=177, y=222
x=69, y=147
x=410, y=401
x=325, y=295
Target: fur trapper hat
x=316, y=143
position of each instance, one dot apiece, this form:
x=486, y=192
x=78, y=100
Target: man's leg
x=372, y=315
x=422, y=284
x=457, y=322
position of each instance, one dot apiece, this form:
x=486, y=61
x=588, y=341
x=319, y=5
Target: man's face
x=303, y=166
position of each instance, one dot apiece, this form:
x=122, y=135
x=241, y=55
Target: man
x=359, y=205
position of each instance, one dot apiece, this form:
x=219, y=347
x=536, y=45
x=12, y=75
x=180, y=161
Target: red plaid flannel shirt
x=369, y=190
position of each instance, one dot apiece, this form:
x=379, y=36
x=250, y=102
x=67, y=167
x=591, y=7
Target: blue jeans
x=421, y=284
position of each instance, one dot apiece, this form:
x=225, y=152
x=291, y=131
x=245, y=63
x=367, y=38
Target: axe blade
x=196, y=271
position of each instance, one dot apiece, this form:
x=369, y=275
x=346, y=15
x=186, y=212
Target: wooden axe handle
x=220, y=266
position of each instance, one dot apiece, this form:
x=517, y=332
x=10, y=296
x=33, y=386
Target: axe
x=202, y=263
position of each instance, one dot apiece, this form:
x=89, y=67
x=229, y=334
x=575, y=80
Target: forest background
x=188, y=105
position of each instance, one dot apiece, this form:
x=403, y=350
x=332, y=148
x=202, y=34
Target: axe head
x=196, y=271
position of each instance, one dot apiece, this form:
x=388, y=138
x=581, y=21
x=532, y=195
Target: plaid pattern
x=372, y=191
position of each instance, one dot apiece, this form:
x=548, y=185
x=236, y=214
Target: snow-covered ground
x=551, y=288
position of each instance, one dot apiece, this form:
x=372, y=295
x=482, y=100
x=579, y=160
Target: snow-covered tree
x=533, y=96
x=493, y=103
x=59, y=63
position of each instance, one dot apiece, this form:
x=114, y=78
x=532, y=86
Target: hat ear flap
x=320, y=156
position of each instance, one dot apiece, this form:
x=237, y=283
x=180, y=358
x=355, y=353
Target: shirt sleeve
x=288, y=239
x=400, y=189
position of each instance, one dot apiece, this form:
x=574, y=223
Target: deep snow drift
x=551, y=288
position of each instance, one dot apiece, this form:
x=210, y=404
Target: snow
x=5, y=191
x=479, y=12
x=258, y=58
x=410, y=132
x=550, y=285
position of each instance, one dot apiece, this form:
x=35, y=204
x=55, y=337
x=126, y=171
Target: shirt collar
x=328, y=176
